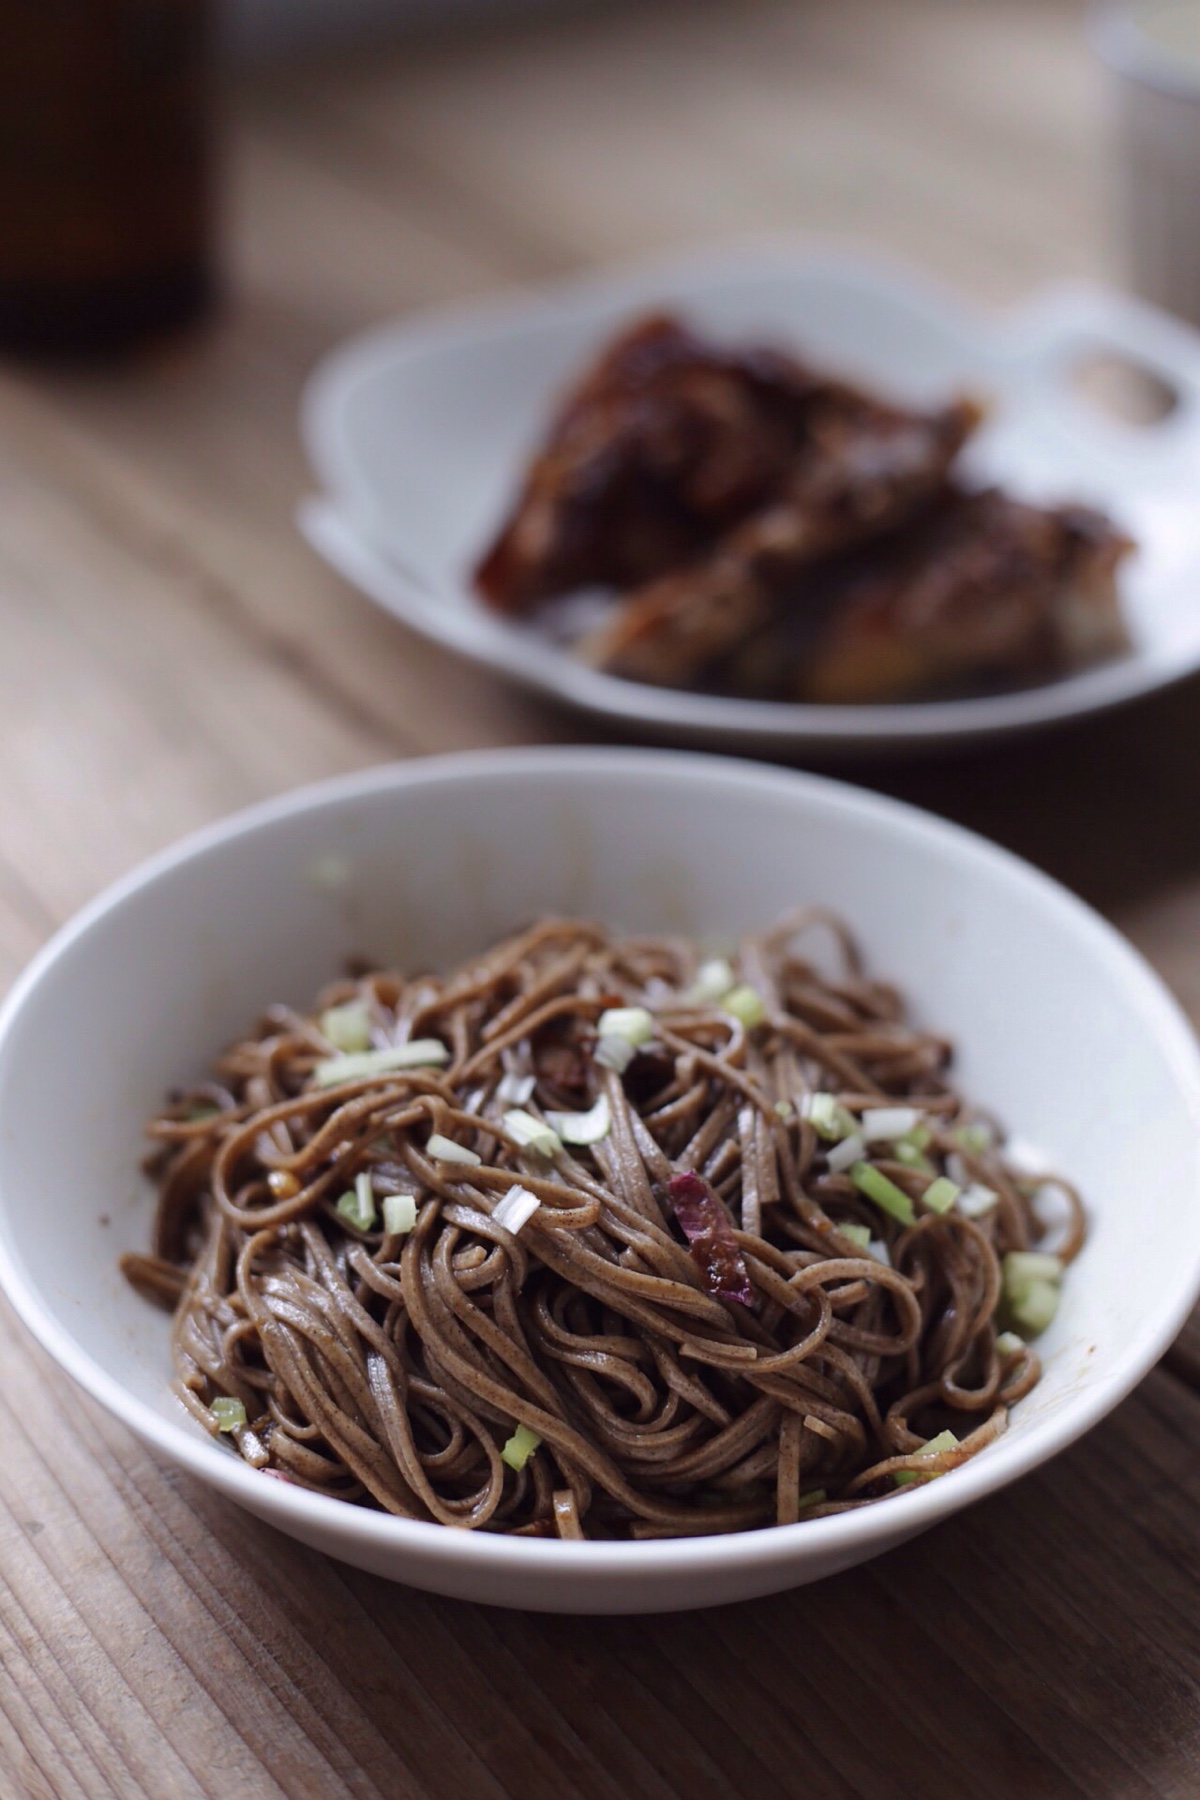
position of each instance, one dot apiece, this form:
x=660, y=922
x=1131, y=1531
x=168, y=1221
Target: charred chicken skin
x=774, y=531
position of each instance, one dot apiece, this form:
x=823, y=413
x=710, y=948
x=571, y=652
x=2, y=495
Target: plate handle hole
x=1124, y=390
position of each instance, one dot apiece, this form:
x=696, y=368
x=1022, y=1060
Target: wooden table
x=170, y=649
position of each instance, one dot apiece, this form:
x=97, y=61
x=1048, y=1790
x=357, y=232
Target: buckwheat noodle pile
x=595, y=1238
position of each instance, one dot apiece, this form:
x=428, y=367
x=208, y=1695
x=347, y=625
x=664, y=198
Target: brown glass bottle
x=105, y=171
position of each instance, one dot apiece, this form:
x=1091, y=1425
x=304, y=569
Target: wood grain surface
x=169, y=649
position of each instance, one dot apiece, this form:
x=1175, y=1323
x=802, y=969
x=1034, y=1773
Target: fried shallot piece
x=983, y=591
x=668, y=444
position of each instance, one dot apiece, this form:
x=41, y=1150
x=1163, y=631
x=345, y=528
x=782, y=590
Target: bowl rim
x=848, y=1535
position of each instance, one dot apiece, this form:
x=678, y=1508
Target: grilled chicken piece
x=984, y=591
x=668, y=443
x=864, y=469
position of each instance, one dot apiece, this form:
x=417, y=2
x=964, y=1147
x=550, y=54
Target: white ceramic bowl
x=1062, y=1030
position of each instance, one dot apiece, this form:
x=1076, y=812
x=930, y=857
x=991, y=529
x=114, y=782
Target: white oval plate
x=418, y=433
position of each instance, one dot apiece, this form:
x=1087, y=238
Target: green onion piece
x=399, y=1214
x=814, y=1497
x=1036, y=1306
x=633, y=1023
x=886, y=1195
x=358, y=1208
x=842, y=1156
x=613, y=1052
x=828, y=1119
x=420, y=1053
x=347, y=1027
x=712, y=980
x=583, y=1127
x=1009, y=1344
x=820, y=1111
x=520, y=1447
x=1024, y=1266
x=1031, y=1282
x=977, y=1201
x=745, y=1004
x=228, y=1413
x=364, y=1193
x=945, y=1440
x=531, y=1133
x=445, y=1149
x=919, y=1137
x=974, y=1137
x=513, y=1211
x=858, y=1234
x=941, y=1194
x=889, y=1124
x=912, y=1158
x=202, y=1110
x=515, y=1089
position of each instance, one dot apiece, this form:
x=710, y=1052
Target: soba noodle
x=713, y=1297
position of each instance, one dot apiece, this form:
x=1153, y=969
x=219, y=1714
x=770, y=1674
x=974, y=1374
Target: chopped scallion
x=228, y=1413
x=957, y=1170
x=848, y=1152
x=347, y=1027
x=516, y=1209
x=941, y=1194
x=419, y=1053
x=814, y=1497
x=827, y=1117
x=531, y=1133
x=1036, y=1306
x=446, y=1150
x=520, y=1447
x=358, y=1207
x=945, y=1440
x=633, y=1023
x=1031, y=1288
x=399, y=1214
x=888, y=1124
x=858, y=1234
x=514, y=1089
x=977, y=1201
x=712, y=980
x=583, y=1128
x=613, y=1052
x=745, y=1003
x=1021, y=1266
x=880, y=1189
x=912, y=1158
x=1009, y=1344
